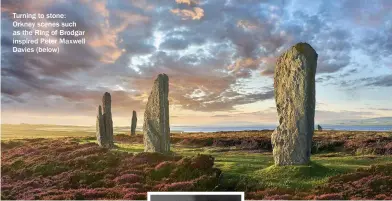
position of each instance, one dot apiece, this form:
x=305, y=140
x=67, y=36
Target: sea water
x=272, y=127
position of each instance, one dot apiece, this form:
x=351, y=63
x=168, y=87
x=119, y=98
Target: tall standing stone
x=156, y=128
x=134, y=122
x=294, y=84
x=104, y=124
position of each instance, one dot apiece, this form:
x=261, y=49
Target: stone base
x=289, y=152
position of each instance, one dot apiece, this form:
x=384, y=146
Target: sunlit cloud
x=189, y=2
x=220, y=57
x=185, y=14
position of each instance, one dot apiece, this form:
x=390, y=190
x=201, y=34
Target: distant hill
x=381, y=121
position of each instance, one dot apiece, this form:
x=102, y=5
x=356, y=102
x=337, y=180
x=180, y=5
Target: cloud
x=216, y=102
x=376, y=11
x=122, y=38
x=325, y=78
x=31, y=82
x=378, y=43
x=189, y=2
x=175, y=44
x=247, y=25
x=244, y=63
x=381, y=81
x=196, y=14
x=218, y=54
x=382, y=109
x=40, y=69
x=349, y=73
x=268, y=64
x=332, y=43
x=10, y=6
x=323, y=115
x=79, y=100
x=365, y=82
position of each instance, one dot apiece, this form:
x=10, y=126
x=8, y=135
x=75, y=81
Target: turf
x=260, y=165
x=244, y=159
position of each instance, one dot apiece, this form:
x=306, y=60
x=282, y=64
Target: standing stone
x=319, y=128
x=156, y=128
x=100, y=128
x=134, y=122
x=104, y=124
x=294, y=84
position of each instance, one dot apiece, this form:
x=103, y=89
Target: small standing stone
x=319, y=128
x=156, y=128
x=104, y=124
x=100, y=127
x=294, y=84
x=134, y=122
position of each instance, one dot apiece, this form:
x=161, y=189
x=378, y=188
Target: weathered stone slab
x=156, y=128
x=294, y=84
x=134, y=122
x=104, y=124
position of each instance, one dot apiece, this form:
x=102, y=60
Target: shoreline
x=199, y=129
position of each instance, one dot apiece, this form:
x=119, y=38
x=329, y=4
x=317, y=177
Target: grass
x=259, y=166
x=231, y=162
x=26, y=131
x=133, y=148
x=295, y=177
x=350, y=163
x=242, y=170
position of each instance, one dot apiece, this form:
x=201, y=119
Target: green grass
x=351, y=163
x=259, y=167
x=134, y=148
x=316, y=173
x=235, y=164
x=295, y=177
x=239, y=164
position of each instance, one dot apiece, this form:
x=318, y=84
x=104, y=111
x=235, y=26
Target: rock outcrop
x=156, y=128
x=104, y=124
x=319, y=128
x=134, y=122
x=294, y=84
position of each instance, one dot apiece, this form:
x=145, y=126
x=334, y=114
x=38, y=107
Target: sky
x=219, y=55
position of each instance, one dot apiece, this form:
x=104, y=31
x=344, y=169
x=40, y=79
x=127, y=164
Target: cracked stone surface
x=104, y=124
x=156, y=129
x=294, y=85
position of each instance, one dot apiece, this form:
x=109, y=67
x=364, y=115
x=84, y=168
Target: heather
x=64, y=169
x=370, y=183
x=365, y=183
x=344, y=165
